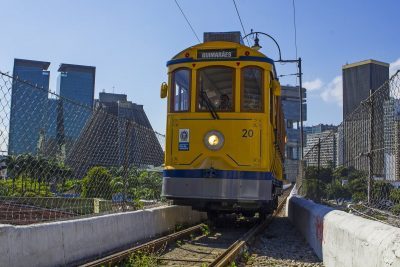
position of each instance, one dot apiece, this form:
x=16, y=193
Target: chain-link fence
x=61, y=159
x=357, y=166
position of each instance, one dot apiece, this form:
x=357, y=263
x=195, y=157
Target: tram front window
x=215, y=85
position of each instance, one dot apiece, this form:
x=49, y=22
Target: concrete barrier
x=342, y=239
x=70, y=242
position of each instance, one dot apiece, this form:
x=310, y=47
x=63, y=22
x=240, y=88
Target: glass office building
x=28, y=113
x=76, y=88
x=291, y=111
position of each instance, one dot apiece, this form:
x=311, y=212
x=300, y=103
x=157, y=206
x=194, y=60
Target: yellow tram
x=225, y=129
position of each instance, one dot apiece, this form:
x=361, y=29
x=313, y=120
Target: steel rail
x=230, y=254
x=151, y=245
x=224, y=259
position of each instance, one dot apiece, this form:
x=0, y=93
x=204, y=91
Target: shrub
x=313, y=189
x=144, y=185
x=336, y=191
x=359, y=196
x=357, y=185
x=3, y=189
x=30, y=194
x=97, y=183
x=381, y=190
x=396, y=209
x=394, y=196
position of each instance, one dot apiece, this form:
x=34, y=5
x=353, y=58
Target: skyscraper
x=291, y=110
x=28, y=114
x=76, y=89
x=360, y=79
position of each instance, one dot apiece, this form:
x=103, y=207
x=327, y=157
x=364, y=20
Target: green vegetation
x=205, y=230
x=394, y=196
x=36, y=176
x=246, y=256
x=143, y=259
x=33, y=175
x=179, y=227
x=97, y=183
x=139, y=184
x=24, y=188
x=348, y=184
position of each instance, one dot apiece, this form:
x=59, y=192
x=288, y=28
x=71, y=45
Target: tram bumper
x=199, y=188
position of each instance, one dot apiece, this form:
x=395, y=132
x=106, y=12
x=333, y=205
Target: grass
x=143, y=259
x=205, y=230
x=179, y=243
x=178, y=227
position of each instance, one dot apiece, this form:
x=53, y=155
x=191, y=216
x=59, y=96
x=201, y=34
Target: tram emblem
x=183, y=144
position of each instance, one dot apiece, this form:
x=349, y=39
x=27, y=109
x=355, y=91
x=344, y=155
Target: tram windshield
x=216, y=83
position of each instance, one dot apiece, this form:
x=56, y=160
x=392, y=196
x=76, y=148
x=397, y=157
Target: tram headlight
x=214, y=140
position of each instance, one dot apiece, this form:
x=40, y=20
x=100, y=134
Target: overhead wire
x=295, y=36
x=188, y=22
x=241, y=22
x=284, y=75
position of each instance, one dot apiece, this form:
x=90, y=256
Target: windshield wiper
x=209, y=105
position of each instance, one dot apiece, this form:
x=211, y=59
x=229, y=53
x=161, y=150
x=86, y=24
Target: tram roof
x=220, y=51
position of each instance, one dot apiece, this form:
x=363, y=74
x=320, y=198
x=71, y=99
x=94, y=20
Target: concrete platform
x=70, y=242
x=342, y=239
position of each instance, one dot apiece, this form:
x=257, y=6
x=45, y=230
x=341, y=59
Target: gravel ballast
x=281, y=245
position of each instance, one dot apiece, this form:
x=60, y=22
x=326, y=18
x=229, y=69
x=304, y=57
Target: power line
x=295, y=27
x=187, y=20
x=241, y=22
x=285, y=75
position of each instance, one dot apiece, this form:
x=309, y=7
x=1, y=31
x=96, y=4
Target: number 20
x=247, y=133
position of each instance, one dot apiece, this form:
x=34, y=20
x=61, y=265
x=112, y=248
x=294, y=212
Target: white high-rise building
x=391, y=122
x=327, y=151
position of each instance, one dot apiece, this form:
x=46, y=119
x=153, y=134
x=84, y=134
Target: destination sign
x=216, y=53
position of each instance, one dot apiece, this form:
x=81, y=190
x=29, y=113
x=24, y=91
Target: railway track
x=194, y=246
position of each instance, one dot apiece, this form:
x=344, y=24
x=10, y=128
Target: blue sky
x=130, y=41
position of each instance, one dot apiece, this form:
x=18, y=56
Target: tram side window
x=252, y=89
x=215, y=89
x=181, y=95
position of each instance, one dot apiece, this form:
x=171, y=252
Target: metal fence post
x=126, y=163
x=370, y=159
x=318, y=171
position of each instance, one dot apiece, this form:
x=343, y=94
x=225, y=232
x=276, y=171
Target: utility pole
x=300, y=75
